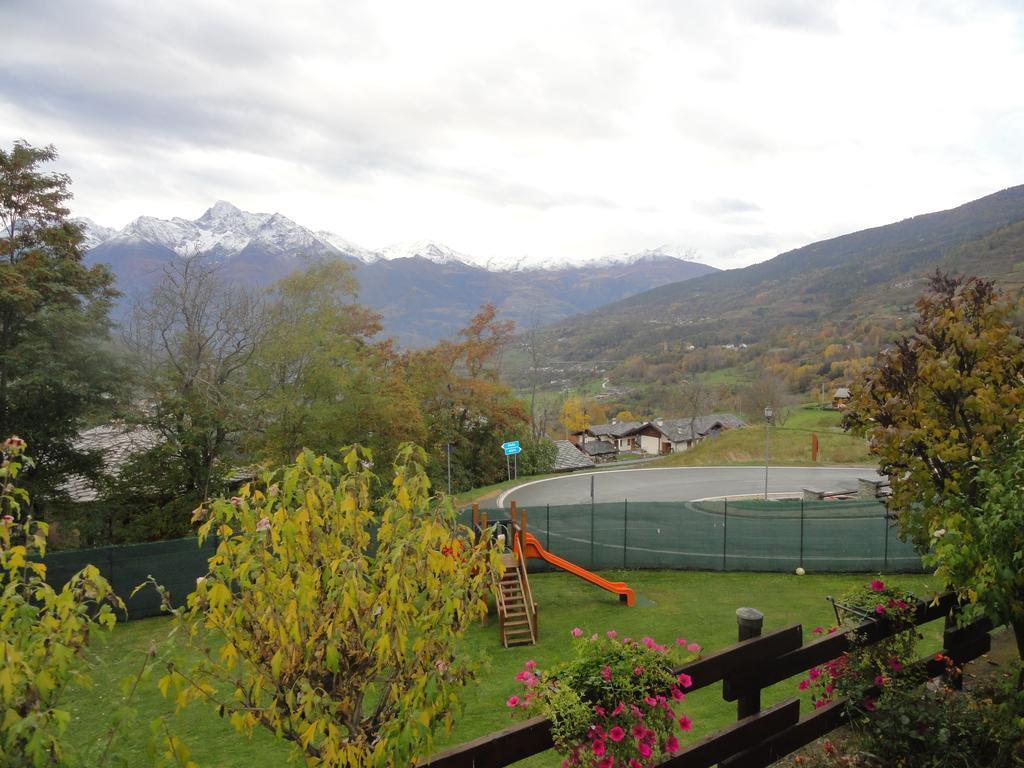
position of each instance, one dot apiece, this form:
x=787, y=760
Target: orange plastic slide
x=533, y=549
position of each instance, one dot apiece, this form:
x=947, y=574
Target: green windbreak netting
x=175, y=564
x=750, y=535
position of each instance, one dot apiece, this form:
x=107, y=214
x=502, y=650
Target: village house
x=662, y=436
x=620, y=434
x=841, y=398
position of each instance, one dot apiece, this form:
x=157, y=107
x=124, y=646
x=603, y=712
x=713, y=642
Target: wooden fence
x=759, y=737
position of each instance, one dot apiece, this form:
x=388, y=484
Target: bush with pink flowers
x=616, y=704
x=871, y=671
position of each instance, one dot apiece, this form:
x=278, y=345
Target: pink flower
x=530, y=665
x=263, y=524
x=638, y=670
x=677, y=694
x=877, y=586
x=634, y=763
x=606, y=762
x=681, y=641
x=619, y=709
x=611, y=634
x=879, y=609
x=672, y=745
x=879, y=680
x=606, y=672
x=685, y=680
x=8, y=519
x=644, y=749
x=869, y=705
x=819, y=703
x=598, y=747
x=693, y=648
x=236, y=500
x=577, y=632
x=638, y=731
x=648, y=641
x=814, y=673
x=685, y=723
x=512, y=701
x=804, y=685
x=895, y=665
x=650, y=701
x=818, y=631
x=616, y=734
x=599, y=711
x=593, y=637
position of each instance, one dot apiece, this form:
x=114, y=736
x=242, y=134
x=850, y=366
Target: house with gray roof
x=570, y=458
x=662, y=436
x=620, y=434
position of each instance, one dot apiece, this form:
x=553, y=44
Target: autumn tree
x=579, y=413
x=43, y=631
x=465, y=404
x=935, y=405
x=56, y=359
x=332, y=614
x=319, y=378
x=767, y=391
x=193, y=336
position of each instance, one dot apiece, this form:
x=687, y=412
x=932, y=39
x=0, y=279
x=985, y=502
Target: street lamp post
x=767, y=426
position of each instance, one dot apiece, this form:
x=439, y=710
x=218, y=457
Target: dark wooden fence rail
x=758, y=738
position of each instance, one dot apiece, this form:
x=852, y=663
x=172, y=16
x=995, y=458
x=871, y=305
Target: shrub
x=614, y=704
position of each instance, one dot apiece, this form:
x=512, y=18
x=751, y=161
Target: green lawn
x=697, y=605
x=789, y=444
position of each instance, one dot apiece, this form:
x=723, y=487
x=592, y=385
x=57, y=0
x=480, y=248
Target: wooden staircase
x=517, y=618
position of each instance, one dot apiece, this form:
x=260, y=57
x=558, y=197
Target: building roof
x=680, y=430
x=842, y=392
x=570, y=457
x=598, y=448
x=616, y=429
x=116, y=443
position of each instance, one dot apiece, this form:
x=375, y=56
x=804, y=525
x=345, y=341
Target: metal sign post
x=510, y=448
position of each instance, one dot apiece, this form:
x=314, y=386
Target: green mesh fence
x=752, y=535
x=175, y=564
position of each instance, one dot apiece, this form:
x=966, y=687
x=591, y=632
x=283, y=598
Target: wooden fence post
x=750, y=622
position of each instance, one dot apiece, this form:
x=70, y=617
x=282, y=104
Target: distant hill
x=425, y=291
x=835, y=289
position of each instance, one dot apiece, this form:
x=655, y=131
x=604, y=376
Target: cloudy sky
x=552, y=130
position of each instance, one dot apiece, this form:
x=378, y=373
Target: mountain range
x=832, y=289
x=425, y=291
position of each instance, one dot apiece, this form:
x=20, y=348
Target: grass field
x=787, y=444
x=697, y=605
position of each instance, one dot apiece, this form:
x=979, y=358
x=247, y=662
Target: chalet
x=663, y=436
x=841, y=398
x=620, y=434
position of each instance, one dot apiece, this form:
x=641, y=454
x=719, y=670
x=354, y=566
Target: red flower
x=877, y=586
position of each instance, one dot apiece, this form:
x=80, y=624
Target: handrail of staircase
x=519, y=548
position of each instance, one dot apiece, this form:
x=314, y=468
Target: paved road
x=681, y=484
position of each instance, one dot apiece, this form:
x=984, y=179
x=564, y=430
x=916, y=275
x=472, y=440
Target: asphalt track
x=681, y=484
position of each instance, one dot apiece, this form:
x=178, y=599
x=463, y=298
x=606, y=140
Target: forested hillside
x=808, y=315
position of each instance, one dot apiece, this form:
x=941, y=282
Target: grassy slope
x=698, y=605
x=788, y=444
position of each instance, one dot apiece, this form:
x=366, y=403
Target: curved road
x=681, y=484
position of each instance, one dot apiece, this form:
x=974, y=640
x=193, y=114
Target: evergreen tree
x=56, y=360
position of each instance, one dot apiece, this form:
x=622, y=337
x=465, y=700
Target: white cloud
x=567, y=130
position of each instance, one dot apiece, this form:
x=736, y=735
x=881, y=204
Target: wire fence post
x=725, y=530
x=801, y=533
x=885, y=552
x=625, y=529
x=591, y=533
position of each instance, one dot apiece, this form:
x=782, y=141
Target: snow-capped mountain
x=429, y=250
x=93, y=233
x=424, y=290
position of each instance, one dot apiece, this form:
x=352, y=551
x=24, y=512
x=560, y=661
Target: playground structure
x=517, y=611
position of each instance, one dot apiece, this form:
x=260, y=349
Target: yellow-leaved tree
x=333, y=611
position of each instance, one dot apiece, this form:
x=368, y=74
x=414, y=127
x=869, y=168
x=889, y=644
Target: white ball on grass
x=800, y=571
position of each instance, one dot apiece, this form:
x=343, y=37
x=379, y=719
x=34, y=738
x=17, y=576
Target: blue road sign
x=511, y=448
